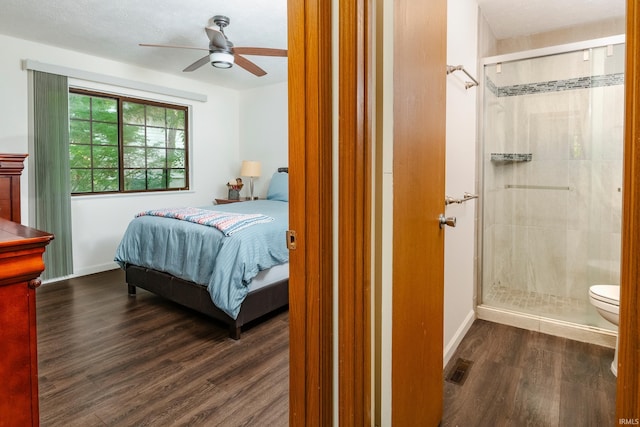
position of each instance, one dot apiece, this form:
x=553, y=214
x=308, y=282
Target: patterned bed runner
x=227, y=222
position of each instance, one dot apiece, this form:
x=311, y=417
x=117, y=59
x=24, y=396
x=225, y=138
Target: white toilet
x=606, y=299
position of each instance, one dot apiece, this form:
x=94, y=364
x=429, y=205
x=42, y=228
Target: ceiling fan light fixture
x=221, y=59
x=222, y=53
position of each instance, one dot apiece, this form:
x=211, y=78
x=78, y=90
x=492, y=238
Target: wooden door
x=628, y=392
x=418, y=199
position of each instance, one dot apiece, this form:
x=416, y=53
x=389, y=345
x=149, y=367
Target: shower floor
x=546, y=305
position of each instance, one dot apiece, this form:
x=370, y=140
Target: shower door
x=551, y=184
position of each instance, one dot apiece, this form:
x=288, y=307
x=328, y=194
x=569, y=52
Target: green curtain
x=50, y=161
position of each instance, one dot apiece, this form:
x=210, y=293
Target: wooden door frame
x=355, y=95
x=628, y=386
x=310, y=171
x=310, y=214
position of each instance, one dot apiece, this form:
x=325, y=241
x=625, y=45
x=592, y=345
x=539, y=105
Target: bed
x=234, y=275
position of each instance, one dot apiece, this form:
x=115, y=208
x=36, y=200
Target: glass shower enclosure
x=552, y=150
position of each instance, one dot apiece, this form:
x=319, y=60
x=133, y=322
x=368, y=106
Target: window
x=121, y=144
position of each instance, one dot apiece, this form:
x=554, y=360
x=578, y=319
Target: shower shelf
x=511, y=157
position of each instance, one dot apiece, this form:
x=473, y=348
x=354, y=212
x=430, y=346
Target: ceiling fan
x=222, y=52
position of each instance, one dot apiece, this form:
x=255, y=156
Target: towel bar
x=466, y=197
x=467, y=85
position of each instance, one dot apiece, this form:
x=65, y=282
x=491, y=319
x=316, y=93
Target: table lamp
x=251, y=169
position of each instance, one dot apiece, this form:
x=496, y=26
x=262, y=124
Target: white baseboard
x=85, y=272
x=452, y=345
x=573, y=331
x=96, y=269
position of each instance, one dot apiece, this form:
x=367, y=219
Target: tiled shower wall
x=552, y=219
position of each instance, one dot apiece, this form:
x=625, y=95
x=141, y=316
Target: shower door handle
x=450, y=221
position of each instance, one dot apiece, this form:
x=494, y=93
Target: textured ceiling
x=512, y=18
x=113, y=28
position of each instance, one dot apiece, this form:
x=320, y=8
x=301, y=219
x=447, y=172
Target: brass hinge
x=291, y=239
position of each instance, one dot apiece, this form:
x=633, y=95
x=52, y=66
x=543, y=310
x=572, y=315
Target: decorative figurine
x=234, y=186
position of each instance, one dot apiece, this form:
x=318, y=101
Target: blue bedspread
x=202, y=254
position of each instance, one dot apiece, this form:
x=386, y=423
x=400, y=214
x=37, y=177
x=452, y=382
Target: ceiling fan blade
x=216, y=37
x=172, y=46
x=262, y=51
x=248, y=65
x=199, y=63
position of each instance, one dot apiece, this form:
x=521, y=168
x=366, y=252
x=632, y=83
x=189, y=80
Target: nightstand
x=225, y=201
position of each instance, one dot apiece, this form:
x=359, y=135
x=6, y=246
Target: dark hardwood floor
x=107, y=359
x=524, y=378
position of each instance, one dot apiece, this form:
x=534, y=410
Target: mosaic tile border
x=511, y=157
x=555, y=85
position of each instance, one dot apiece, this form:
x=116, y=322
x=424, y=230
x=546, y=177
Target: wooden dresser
x=11, y=166
x=21, y=264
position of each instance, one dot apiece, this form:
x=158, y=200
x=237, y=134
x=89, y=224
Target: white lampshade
x=250, y=168
x=221, y=59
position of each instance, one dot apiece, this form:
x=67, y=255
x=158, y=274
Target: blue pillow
x=279, y=187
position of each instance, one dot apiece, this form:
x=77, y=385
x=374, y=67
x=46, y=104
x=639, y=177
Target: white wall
x=264, y=132
x=99, y=221
x=459, y=284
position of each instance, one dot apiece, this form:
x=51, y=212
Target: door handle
x=450, y=221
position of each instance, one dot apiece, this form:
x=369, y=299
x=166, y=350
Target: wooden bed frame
x=259, y=302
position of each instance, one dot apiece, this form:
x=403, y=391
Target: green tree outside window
x=120, y=144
